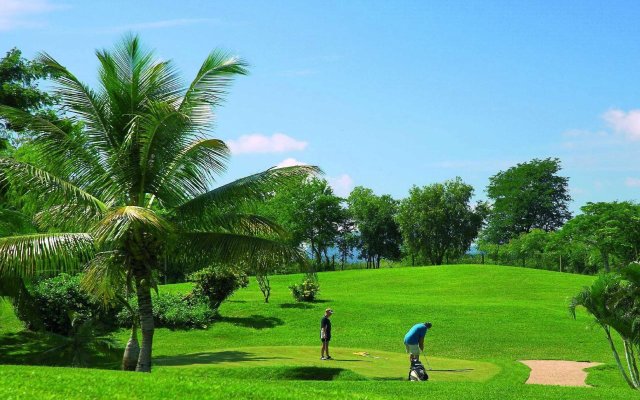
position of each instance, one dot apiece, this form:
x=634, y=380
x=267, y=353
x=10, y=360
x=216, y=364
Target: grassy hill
x=485, y=318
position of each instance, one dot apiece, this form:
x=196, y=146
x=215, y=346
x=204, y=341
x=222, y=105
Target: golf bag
x=417, y=372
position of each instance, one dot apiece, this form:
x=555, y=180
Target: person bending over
x=414, y=340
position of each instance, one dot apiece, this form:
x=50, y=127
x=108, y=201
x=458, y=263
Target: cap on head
x=328, y=311
x=428, y=325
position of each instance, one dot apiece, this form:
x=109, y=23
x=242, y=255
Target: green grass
x=485, y=318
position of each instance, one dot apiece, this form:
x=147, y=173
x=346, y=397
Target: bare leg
x=324, y=349
x=327, y=348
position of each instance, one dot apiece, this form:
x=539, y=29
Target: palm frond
x=51, y=188
x=28, y=255
x=105, y=278
x=207, y=247
x=232, y=221
x=121, y=221
x=210, y=84
x=91, y=107
x=252, y=188
x=191, y=170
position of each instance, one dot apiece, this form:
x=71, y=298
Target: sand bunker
x=563, y=373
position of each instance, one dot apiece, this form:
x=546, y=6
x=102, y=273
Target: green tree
x=614, y=301
x=311, y=213
x=378, y=232
x=134, y=185
x=612, y=228
x=19, y=79
x=528, y=196
x=438, y=220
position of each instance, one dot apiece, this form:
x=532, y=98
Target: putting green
x=369, y=363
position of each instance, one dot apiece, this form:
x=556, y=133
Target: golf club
x=427, y=361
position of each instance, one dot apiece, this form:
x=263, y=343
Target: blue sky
x=391, y=94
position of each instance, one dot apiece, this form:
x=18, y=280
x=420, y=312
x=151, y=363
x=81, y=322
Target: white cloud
x=258, y=143
x=170, y=23
x=342, y=185
x=19, y=13
x=632, y=182
x=627, y=123
x=290, y=162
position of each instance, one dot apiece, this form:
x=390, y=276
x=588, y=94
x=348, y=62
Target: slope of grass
x=487, y=314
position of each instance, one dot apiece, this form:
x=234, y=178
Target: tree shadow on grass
x=253, y=321
x=40, y=348
x=212, y=358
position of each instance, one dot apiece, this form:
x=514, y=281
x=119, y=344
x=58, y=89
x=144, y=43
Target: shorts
x=323, y=340
x=413, y=349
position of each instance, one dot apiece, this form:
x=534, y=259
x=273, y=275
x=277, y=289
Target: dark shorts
x=326, y=340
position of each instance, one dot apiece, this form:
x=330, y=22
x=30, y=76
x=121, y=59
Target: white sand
x=563, y=373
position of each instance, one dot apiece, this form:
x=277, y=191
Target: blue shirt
x=416, y=333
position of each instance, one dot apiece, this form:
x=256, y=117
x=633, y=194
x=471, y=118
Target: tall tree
x=135, y=185
x=528, y=196
x=309, y=210
x=379, y=234
x=19, y=79
x=438, y=220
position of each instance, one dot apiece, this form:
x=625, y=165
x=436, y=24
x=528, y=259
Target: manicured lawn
x=490, y=316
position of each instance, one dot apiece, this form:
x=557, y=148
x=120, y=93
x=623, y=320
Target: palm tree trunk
x=617, y=357
x=132, y=350
x=145, y=311
x=631, y=363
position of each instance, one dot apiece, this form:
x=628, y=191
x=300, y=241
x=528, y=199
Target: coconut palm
x=137, y=184
x=613, y=301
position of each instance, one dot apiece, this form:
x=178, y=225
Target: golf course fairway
x=485, y=318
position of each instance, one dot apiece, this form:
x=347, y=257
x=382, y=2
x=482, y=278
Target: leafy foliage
x=438, y=221
x=307, y=290
x=312, y=214
x=64, y=307
x=378, y=232
x=216, y=283
x=614, y=301
x=528, y=196
x=173, y=311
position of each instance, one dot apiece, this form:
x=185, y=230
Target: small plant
x=307, y=290
x=264, y=285
x=217, y=283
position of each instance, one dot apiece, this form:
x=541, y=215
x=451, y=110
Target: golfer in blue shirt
x=414, y=340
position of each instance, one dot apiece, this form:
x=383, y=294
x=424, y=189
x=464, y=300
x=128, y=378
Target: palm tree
x=136, y=185
x=614, y=303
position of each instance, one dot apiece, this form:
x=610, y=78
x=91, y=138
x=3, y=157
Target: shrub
x=217, y=283
x=173, y=311
x=305, y=291
x=59, y=301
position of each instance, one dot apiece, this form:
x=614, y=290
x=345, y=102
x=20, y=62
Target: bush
x=173, y=311
x=305, y=291
x=217, y=283
x=60, y=300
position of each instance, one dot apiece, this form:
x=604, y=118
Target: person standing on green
x=414, y=340
x=325, y=334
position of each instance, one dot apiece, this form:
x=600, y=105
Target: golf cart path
x=558, y=372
